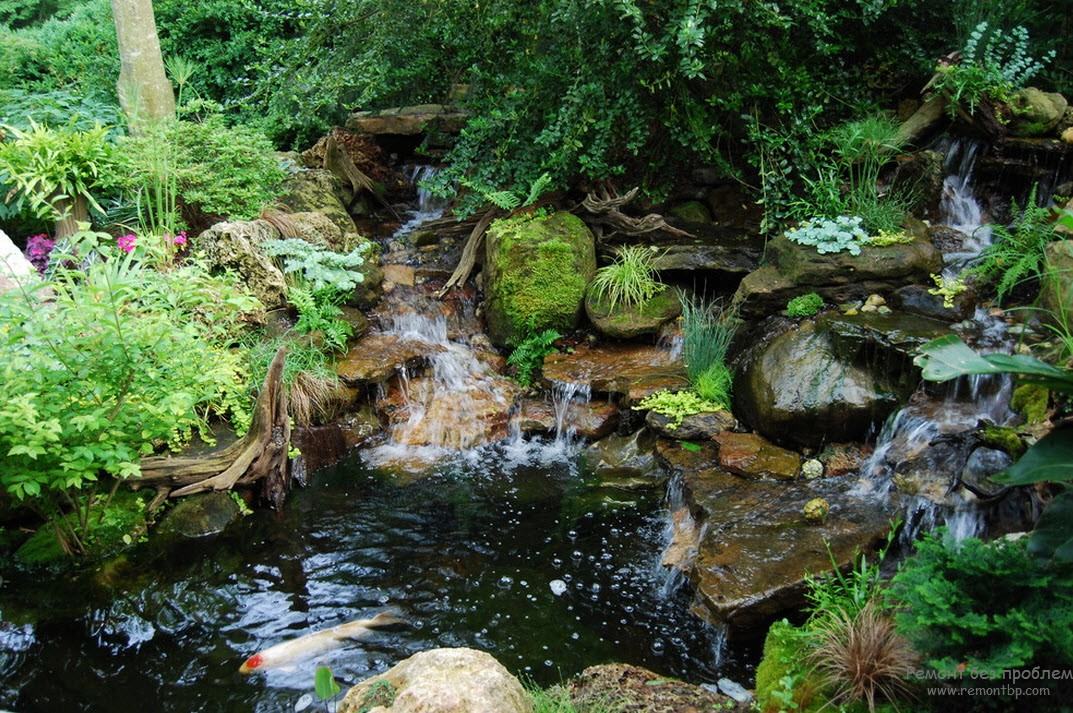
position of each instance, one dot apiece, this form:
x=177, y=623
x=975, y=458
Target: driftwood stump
x=262, y=455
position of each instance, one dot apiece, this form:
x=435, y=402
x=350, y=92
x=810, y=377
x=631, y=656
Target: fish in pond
x=317, y=643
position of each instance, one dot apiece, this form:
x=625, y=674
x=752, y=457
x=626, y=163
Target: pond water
x=466, y=554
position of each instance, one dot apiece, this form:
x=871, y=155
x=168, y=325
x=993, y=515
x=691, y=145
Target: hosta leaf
x=1053, y=536
x=1050, y=460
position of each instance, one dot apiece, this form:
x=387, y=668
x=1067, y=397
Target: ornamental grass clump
x=708, y=329
x=630, y=281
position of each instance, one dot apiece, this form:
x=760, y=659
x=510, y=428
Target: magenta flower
x=180, y=239
x=38, y=249
x=126, y=242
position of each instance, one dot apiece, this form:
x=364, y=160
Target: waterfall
x=563, y=398
x=960, y=404
x=958, y=207
x=429, y=206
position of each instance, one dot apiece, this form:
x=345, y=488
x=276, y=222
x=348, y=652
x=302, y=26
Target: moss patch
x=538, y=268
x=1031, y=401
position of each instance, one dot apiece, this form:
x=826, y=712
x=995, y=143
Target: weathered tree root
x=469, y=254
x=604, y=207
x=339, y=162
x=262, y=455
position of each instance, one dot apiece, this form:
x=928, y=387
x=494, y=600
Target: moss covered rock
x=627, y=322
x=692, y=212
x=1035, y=112
x=112, y=529
x=536, y=272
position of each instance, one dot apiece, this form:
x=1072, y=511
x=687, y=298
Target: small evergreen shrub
x=831, y=236
x=322, y=268
x=984, y=608
x=804, y=305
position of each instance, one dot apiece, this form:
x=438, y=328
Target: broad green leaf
x=1053, y=536
x=1049, y=460
x=948, y=357
x=324, y=684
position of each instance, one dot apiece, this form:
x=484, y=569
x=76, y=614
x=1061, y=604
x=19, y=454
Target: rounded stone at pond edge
x=199, y=516
x=816, y=510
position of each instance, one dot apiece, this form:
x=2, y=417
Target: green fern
x=537, y=188
x=1017, y=253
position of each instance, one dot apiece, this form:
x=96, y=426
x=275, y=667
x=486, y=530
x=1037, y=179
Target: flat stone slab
x=375, y=358
x=896, y=333
x=757, y=547
x=409, y=120
x=590, y=420
x=713, y=248
x=629, y=370
x=752, y=456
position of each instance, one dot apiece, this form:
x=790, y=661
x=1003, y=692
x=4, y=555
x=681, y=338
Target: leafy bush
x=948, y=288
x=831, y=236
x=96, y=378
x=218, y=171
x=57, y=109
x=993, y=64
x=528, y=357
x=804, y=305
x=984, y=608
x=1016, y=254
x=320, y=267
x=629, y=281
x=50, y=169
x=676, y=405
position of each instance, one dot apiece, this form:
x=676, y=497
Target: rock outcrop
x=15, y=269
x=630, y=371
x=628, y=322
x=237, y=247
x=440, y=681
x=536, y=272
x=631, y=689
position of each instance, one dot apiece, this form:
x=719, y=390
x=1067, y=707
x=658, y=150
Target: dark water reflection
x=466, y=555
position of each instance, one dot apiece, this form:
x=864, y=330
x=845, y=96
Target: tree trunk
x=74, y=212
x=144, y=90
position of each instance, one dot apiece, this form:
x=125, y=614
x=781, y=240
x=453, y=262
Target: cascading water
x=959, y=405
x=429, y=206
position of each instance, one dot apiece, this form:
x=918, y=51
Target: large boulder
x=1035, y=112
x=839, y=277
x=536, y=272
x=627, y=322
x=15, y=269
x=795, y=389
x=440, y=681
x=318, y=190
x=237, y=247
x=1056, y=293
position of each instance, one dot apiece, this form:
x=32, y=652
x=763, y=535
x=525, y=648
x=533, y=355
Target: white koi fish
x=315, y=644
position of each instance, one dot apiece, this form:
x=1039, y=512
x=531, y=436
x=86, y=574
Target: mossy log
x=261, y=456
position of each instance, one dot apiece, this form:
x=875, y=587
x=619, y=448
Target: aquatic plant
x=322, y=268
x=629, y=281
x=804, y=305
x=885, y=238
x=831, y=236
x=528, y=357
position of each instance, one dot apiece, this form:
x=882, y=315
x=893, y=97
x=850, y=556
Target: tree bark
x=74, y=212
x=144, y=90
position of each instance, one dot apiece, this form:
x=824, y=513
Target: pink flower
x=126, y=242
x=180, y=239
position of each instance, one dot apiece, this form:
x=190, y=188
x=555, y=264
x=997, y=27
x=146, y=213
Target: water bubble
x=658, y=647
x=304, y=702
x=558, y=587
x=505, y=582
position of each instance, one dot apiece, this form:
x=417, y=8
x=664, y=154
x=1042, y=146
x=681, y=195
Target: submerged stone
x=629, y=370
x=198, y=516
x=440, y=681
x=588, y=419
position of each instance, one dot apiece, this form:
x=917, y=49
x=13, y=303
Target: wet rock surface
x=696, y=426
x=624, y=459
x=795, y=389
x=627, y=322
x=375, y=358
x=632, y=689
x=732, y=251
x=750, y=455
x=632, y=371
x=198, y=516
x=440, y=681
x=588, y=419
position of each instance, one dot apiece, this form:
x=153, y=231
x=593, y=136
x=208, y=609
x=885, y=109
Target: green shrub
x=715, y=384
x=95, y=379
x=984, y=608
x=804, y=305
x=993, y=65
x=48, y=170
x=218, y=171
x=528, y=357
x=629, y=281
x=322, y=268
